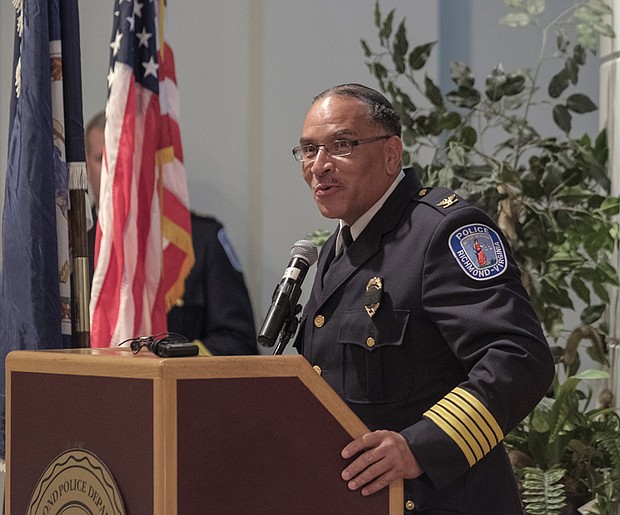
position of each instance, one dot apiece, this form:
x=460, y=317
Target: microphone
x=303, y=255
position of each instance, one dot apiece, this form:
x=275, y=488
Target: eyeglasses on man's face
x=337, y=148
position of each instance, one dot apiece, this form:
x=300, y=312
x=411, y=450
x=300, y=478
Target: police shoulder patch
x=230, y=251
x=479, y=251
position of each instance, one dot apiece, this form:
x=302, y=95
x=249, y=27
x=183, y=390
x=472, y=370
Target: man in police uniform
x=434, y=347
x=215, y=310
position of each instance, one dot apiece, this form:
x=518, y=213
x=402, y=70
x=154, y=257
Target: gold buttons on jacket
x=370, y=342
x=410, y=505
x=422, y=192
x=319, y=321
x=317, y=369
x=179, y=303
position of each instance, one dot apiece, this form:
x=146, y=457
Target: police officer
x=215, y=310
x=417, y=317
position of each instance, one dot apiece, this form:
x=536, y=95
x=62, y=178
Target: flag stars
x=111, y=77
x=132, y=20
x=137, y=9
x=150, y=68
x=116, y=44
x=143, y=37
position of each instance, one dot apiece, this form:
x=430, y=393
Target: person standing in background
x=93, y=143
x=215, y=311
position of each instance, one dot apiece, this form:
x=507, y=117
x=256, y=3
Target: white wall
x=247, y=71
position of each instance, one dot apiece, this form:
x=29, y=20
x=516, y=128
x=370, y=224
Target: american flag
x=143, y=249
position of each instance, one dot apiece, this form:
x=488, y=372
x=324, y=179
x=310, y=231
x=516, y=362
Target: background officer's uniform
x=215, y=309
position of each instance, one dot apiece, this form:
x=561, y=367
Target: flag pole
x=78, y=179
x=80, y=282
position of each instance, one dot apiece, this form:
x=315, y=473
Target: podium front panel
x=111, y=417
x=265, y=446
x=185, y=436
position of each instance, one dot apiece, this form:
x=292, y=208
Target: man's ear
x=394, y=155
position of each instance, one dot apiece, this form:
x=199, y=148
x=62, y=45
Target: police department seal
x=76, y=483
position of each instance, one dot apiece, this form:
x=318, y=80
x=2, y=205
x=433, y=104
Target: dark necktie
x=347, y=239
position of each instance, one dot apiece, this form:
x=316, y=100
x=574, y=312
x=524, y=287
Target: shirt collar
x=361, y=223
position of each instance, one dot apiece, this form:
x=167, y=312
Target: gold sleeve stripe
x=482, y=410
x=475, y=423
x=202, y=348
x=462, y=429
x=469, y=430
x=449, y=430
x=468, y=422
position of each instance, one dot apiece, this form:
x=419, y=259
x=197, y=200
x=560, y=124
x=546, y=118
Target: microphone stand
x=288, y=330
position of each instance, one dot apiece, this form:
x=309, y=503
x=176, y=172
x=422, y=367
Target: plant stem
x=541, y=57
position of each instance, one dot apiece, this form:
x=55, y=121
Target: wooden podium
x=224, y=435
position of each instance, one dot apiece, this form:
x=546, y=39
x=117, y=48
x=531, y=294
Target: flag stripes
x=143, y=246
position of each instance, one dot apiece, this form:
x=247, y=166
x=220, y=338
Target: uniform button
x=422, y=192
x=370, y=342
x=317, y=369
x=179, y=303
x=410, y=505
x=319, y=321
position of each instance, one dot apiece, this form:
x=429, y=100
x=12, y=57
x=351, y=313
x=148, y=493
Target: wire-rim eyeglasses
x=337, y=148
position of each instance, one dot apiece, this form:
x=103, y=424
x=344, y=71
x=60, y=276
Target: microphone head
x=306, y=250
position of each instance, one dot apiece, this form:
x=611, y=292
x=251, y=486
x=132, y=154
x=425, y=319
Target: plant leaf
x=559, y=82
x=400, y=47
x=419, y=55
x=515, y=20
x=562, y=117
x=432, y=92
x=543, y=492
x=579, y=103
x=386, y=27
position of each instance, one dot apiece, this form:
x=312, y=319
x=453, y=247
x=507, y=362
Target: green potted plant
x=566, y=454
x=548, y=190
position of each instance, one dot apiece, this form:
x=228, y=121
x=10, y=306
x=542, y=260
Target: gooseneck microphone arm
x=289, y=329
x=284, y=302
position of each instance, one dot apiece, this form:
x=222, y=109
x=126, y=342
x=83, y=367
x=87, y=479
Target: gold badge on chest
x=372, y=298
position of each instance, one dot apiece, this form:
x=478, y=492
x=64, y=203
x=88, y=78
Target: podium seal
x=77, y=482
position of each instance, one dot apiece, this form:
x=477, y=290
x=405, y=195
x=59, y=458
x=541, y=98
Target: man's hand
x=387, y=457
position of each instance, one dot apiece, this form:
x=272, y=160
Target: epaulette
x=440, y=199
x=203, y=216
x=199, y=214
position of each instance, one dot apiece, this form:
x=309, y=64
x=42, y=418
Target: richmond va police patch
x=479, y=251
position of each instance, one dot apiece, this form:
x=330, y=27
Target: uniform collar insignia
x=448, y=201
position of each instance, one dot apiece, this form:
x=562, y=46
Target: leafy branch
x=549, y=193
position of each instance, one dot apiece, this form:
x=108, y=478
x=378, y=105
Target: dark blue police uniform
x=215, y=307
x=423, y=327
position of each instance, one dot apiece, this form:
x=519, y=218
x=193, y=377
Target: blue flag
x=35, y=290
